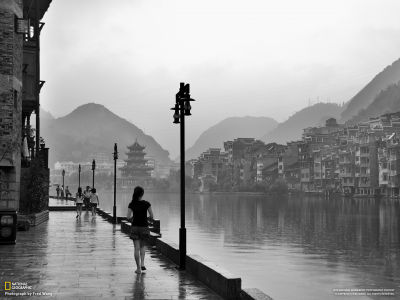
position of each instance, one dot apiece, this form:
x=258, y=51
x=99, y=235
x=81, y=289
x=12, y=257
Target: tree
x=162, y=184
x=279, y=187
x=260, y=186
x=212, y=186
x=35, y=188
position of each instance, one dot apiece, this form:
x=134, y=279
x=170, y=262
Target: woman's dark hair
x=93, y=190
x=137, y=192
x=80, y=191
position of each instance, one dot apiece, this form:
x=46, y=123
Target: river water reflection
x=288, y=247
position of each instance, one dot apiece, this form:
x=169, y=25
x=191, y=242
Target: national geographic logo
x=21, y=289
x=8, y=286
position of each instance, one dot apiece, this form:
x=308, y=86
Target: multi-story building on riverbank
x=393, y=150
x=362, y=159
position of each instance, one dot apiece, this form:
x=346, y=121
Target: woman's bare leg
x=136, y=244
x=142, y=251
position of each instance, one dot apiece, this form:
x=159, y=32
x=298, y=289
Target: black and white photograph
x=200, y=149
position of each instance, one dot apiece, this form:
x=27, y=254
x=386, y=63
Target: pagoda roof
x=137, y=159
x=142, y=153
x=136, y=146
x=132, y=167
x=133, y=177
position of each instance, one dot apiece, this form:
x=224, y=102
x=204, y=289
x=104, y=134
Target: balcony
x=345, y=184
x=365, y=184
x=345, y=162
x=364, y=165
x=364, y=154
x=341, y=175
x=393, y=184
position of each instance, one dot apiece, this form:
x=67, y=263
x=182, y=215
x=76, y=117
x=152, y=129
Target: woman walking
x=94, y=201
x=86, y=200
x=140, y=232
x=79, y=202
x=58, y=191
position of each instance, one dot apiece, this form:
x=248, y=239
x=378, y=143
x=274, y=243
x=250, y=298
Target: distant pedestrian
x=86, y=200
x=67, y=192
x=94, y=201
x=79, y=202
x=58, y=191
x=140, y=232
x=62, y=192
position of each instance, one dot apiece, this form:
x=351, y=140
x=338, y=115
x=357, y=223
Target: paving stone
x=91, y=259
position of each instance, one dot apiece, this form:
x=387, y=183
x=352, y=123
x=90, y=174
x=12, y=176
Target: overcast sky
x=241, y=57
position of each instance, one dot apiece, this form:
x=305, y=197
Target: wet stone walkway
x=89, y=258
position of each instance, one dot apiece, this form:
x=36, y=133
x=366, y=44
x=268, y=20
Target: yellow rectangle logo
x=9, y=286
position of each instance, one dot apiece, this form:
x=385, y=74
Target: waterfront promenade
x=89, y=258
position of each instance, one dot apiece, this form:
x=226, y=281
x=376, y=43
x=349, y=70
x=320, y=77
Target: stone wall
x=11, y=51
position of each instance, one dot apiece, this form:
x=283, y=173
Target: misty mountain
x=229, y=129
x=387, y=101
x=93, y=128
x=46, y=115
x=292, y=128
x=391, y=74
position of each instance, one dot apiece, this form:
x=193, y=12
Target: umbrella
x=25, y=148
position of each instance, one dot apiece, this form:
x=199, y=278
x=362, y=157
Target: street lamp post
x=79, y=174
x=182, y=108
x=93, y=168
x=63, y=175
x=115, y=184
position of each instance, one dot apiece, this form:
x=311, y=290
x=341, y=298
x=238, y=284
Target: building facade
x=20, y=85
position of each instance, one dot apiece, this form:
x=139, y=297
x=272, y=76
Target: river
x=289, y=247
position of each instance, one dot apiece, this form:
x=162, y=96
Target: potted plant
x=30, y=134
x=42, y=143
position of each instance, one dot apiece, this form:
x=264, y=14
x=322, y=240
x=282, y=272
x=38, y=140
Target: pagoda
x=136, y=168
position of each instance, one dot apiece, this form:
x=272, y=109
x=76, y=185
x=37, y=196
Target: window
x=280, y=159
x=15, y=99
